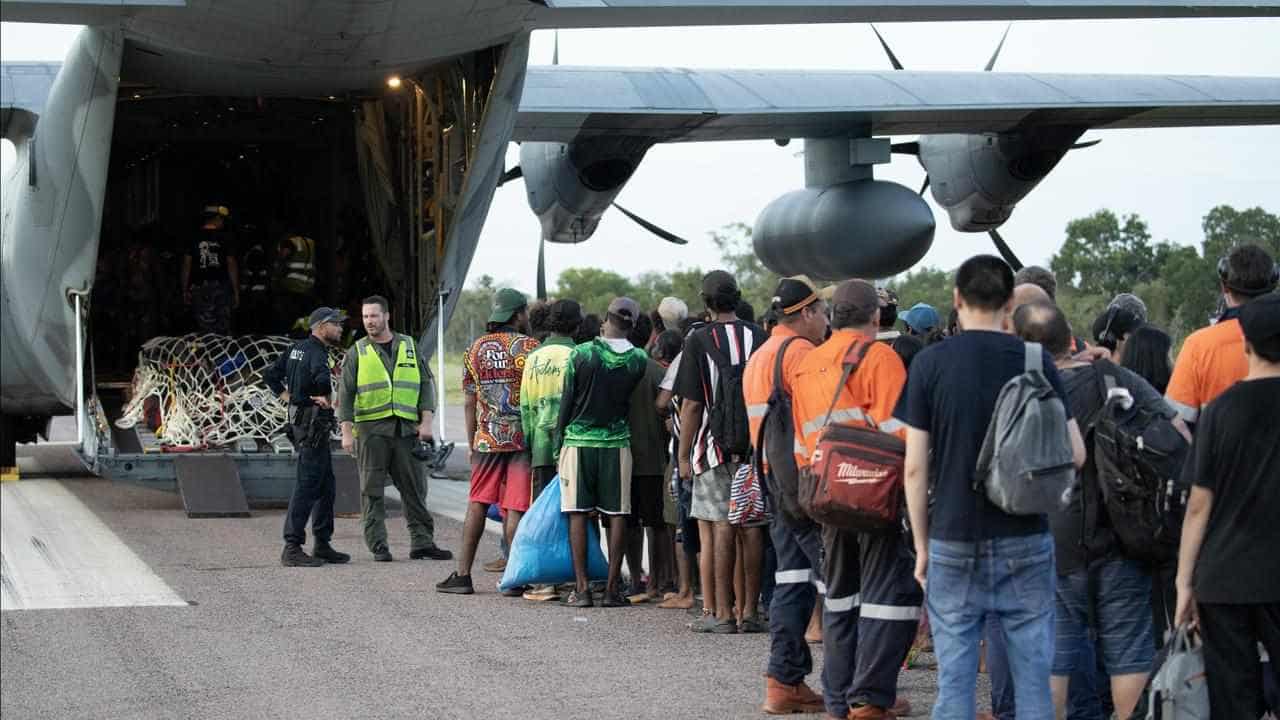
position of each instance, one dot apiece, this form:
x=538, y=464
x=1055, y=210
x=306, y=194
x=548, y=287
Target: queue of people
x=852, y=464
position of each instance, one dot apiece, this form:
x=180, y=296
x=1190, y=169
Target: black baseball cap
x=793, y=294
x=1260, y=319
x=326, y=314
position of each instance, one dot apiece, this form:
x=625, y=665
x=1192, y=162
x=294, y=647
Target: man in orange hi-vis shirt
x=1212, y=358
x=802, y=323
x=872, y=605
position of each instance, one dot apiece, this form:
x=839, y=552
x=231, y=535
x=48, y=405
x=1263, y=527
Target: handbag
x=855, y=477
x=747, y=507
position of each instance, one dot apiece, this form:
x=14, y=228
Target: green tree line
x=1101, y=255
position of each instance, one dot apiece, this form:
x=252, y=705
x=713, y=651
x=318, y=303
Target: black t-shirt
x=209, y=251
x=1084, y=525
x=1236, y=455
x=389, y=347
x=951, y=393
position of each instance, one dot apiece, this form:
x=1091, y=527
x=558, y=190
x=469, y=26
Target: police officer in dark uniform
x=307, y=370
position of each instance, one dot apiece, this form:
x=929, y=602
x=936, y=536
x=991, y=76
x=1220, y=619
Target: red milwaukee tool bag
x=855, y=476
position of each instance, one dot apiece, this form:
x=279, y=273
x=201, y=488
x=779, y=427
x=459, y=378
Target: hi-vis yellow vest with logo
x=300, y=268
x=379, y=396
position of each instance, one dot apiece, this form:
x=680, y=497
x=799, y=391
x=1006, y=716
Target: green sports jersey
x=541, y=387
x=598, y=383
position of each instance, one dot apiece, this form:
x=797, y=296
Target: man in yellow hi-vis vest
x=386, y=404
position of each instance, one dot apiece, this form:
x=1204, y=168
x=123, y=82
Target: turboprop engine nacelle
x=979, y=179
x=570, y=185
x=861, y=228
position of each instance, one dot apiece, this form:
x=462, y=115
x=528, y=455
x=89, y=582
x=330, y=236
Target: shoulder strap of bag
x=777, y=391
x=851, y=363
x=1034, y=358
x=777, y=364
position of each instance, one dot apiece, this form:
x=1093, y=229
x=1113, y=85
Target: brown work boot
x=870, y=712
x=782, y=699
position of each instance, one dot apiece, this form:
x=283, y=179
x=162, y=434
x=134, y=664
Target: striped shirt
x=732, y=343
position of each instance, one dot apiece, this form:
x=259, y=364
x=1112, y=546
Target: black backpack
x=727, y=419
x=1138, y=455
x=776, y=442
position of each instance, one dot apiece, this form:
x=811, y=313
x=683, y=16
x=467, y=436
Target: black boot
x=381, y=554
x=435, y=552
x=324, y=551
x=295, y=556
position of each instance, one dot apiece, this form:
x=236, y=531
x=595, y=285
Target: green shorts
x=595, y=479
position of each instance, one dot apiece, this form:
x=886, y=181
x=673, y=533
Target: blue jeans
x=1010, y=580
x=1086, y=700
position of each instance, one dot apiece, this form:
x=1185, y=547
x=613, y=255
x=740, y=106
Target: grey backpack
x=1178, y=689
x=1025, y=465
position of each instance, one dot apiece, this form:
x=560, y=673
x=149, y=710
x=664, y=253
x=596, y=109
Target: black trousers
x=869, y=618
x=1234, y=674
x=312, y=498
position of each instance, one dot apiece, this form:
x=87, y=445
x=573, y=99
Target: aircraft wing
x=675, y=105
x=670, y=13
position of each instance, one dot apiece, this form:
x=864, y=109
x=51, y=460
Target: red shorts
x=502, y=478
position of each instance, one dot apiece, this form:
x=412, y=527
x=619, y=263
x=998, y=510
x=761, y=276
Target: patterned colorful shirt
x=491, y=371
x=598, y=383
x=540, y=391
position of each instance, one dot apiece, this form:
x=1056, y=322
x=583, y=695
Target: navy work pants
x=799, y=571
x=312, y=498
x=870, y=617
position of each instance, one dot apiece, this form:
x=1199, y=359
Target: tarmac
x=247, y=638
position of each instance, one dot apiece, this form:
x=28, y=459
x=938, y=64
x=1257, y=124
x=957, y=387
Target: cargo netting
x=208, y=389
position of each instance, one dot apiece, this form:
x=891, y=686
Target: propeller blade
x=893, y=59
x=992, y=62
x=1005, y=251
x=542, y=268
x=669, y=237
x=555, y=50
x=906, y=148
x=512, y=174
x=925, y=186
x=1086, y=144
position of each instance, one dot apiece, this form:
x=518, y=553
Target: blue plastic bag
x=540, y=553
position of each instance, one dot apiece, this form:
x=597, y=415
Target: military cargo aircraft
x=161, y=103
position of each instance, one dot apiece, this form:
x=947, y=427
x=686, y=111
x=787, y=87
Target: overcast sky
x=1169, y=177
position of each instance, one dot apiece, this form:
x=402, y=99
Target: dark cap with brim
x=506, y=303
x=326, y=314
x=1260, y=319
x=793, y=294
x=625, y=308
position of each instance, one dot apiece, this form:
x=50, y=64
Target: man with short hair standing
x=1212, y=359
x=595, y=460
x=713, y=356
x=387, y=404
x=872, y=605
x=500, y=474
x=303, y=378
x=978, y=561
x=1100, y=593
x=802, y=324
x=1228, y=577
